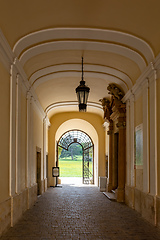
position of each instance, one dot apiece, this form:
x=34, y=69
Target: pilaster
x=121, y=153
x=18, y=114
x=128, y=160
x=12, y=152
x=153, y=132
x=146, y=137
x=132, y=126
x=28, y=132
x=44, y=146
x=31, y=162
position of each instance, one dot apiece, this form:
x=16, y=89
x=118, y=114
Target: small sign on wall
x=55, y=171
x=138, y=147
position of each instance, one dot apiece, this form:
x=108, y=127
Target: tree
x=59, y=151
x=74, y=150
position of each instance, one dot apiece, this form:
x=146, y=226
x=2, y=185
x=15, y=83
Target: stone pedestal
x=102, y=184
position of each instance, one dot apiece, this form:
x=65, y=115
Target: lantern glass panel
x=81, y=97
x=86, y=97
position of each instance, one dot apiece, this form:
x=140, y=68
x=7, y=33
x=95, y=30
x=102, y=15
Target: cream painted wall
x=58, y=119
x=4, y=132
x=37, y=142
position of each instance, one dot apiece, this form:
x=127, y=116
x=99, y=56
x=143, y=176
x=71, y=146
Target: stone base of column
x=120, y=195
x=109, y=187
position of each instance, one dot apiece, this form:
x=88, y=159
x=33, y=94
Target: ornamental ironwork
x=75, y=136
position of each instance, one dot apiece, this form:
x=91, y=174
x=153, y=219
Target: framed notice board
x=138, y=163
x=55, y=171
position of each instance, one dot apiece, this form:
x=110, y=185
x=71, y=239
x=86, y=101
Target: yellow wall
x=95, y=120
x=4, y=132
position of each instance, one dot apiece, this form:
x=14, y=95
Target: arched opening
x=95, y=131
x=66, y=142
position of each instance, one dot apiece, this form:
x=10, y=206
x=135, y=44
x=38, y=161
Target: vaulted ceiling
x=118, y=40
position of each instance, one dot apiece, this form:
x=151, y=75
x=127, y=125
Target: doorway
x=78, y=146
x=38, y=172
x=115, y=161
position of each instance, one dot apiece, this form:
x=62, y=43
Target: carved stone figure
x=115, y=91
x=106, y=108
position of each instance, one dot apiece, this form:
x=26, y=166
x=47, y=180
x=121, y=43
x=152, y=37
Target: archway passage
x=78, y=137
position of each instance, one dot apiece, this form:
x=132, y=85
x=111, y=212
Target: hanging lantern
x=82, y=93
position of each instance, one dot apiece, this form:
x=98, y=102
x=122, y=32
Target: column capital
x=46, y=121
x=121, y=124
x=105, y=125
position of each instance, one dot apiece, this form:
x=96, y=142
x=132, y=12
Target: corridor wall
x=143, y=180
x=21, y=135
x=5, y=201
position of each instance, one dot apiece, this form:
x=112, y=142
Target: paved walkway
x=78, y=212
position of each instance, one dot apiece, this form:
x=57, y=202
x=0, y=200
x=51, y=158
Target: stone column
x=105, y=125
x=146, y=136
x=128, y=148
x=28, y=125
x=110, y=156
x=121, y=156
x=12, y=140
x=153, y=133
x=46, y=124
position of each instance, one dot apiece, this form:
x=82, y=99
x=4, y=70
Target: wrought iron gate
x=88, y=166
x=80, y=137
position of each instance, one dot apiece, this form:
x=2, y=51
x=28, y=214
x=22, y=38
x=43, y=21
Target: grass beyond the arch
x=70, y=168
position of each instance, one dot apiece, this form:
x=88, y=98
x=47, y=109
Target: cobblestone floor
x=78, y=212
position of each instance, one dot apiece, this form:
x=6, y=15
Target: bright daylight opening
x=75, y=158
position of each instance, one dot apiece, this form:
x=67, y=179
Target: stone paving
x=79, y=212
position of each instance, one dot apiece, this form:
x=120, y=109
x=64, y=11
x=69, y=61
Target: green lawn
x=70, y=168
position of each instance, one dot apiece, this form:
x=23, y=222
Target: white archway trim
x=72, y=104
x=55, y=34
x=77, y=67
x=84, y=45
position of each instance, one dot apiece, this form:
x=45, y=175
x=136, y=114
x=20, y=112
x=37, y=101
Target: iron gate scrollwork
x=88, y=166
